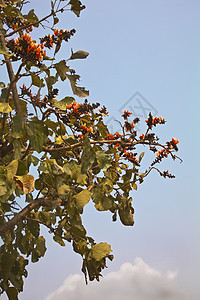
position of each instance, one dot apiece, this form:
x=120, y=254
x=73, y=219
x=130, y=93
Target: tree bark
x=24, y=212
x=10, y=73
x=18, y=217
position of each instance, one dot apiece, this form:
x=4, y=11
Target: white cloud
x=137, y=281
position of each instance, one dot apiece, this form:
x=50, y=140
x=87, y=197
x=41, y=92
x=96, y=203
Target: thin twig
x=35, y=23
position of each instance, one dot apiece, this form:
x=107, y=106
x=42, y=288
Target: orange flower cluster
x=129, y=155
x=34, y=47
x=74, y=106
x=142, y=136
x=162, y=153
x=118, y=135
x=115, y=136
x=81, y=136
x=157, y=120
x=85, y=129
x=26, y=48
x=173, y=144
x=174, y=141
x=154, y=121
x=129, y=126
x=110, y=136
x=103, y=110
x=126, y=114
x=57, y=37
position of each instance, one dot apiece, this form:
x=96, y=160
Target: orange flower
x=175, y=141
x=110, y=136
x=141, y=136
x=56, y=32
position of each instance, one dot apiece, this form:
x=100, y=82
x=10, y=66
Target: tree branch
x=34, y=23
x=10, y=73
x=101, y=142
x=18, y=217
x=25, y=211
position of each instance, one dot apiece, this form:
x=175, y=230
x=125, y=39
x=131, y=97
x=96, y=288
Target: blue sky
x=150, y=47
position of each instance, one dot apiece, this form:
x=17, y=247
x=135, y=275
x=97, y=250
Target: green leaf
x=78, y=91
x=40, y=246
x=5, y=191
x=76, y=7
x=31, y=17
x=34, y=256
x=100, y=251
x=63, y=190
x=103, y=129
x=36, y=80
x=58, y=45
x=134, y=185
x=77, y=175
x=3, y=185
x=17, y=148
x=67, y=169
x=55, y=20
x=2, y=85
x=59, y=139
x=126, y=217
x=59, y=240
x=51, y=125
x=5, y=108
x=12, y=12
x=112, y=175
x=82, y=198
x=18, y=127
x=7, y=262
x=88, y=156
x=4, y=92
x=80, y=54
x=22, y=168
x=45, y=217
x=97, y=194
x=12, y=170
x=38, y=132
x=61, y=69
x=104, y=160
x=62, y=103
x=141, y=156
x=104, y=204
x=12, y=293
x=51, y=166
x=23, y=105
x=51, y=80
x=34, y=228
x=33, y=159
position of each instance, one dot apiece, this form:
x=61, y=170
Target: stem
x=10, y=73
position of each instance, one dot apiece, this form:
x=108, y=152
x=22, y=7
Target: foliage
x=67, y=145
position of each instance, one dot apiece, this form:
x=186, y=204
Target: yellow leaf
x=25, y=183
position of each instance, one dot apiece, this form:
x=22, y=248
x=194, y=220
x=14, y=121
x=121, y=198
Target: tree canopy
x=56, y=154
